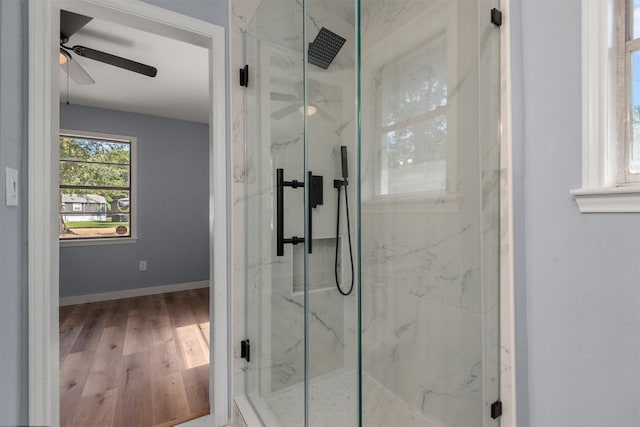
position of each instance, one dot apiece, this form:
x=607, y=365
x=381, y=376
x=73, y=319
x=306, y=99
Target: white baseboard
x=129, y=293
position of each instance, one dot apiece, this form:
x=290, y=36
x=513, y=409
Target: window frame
x=133, y=184
x=416, y=119
x=602, y=190
x=627, y=45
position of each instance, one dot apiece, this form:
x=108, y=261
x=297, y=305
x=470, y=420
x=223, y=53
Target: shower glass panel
x=274, y=99
x=331, y=130
x=430, y=230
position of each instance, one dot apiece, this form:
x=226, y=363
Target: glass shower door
x=275, y=212
x=301, y=140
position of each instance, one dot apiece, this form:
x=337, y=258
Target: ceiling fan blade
x=116, y=61
x=277, y=96
x=77, y=73
x=280, y=114
x=70, y=23
x=324, y=114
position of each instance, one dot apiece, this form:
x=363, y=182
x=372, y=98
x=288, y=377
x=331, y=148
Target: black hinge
x=496, y=409
x=245, y=350
x=496, y=17
x=244, y=76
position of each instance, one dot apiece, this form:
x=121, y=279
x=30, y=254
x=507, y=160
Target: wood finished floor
x=135, y=362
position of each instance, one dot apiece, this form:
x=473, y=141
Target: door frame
x=43, y=169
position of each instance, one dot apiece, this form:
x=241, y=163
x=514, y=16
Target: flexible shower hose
x=335, y=268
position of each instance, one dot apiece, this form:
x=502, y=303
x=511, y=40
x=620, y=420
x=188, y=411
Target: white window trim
x=599, y=191
x=133, y=217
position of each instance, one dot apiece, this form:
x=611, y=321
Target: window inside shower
x=412, y=114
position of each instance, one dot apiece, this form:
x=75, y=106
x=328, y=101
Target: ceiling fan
x=71, y=23
x=296, y=101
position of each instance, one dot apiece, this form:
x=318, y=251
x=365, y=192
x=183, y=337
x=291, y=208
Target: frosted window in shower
x=412, y=116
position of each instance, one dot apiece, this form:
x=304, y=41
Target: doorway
x=44, y=113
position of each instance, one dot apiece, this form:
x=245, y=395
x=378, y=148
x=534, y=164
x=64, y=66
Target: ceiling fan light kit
x=64, y=56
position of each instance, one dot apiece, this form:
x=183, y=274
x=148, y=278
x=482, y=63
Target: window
x=97, y=198
x=412, y=120
x=628, y=32
x=610, y=107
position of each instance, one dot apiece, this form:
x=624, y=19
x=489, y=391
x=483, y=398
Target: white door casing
x=43, y=155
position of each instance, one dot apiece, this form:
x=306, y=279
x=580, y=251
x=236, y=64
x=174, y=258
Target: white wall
x=582, y=271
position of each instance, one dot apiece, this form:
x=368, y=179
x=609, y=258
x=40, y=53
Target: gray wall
x=13, y=234
x=520, y=290
x=582, y=271
x=172, y=202
x=13, y=294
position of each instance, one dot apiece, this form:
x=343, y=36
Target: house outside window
x=97, y=187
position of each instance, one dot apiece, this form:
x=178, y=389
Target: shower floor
x=333, y=403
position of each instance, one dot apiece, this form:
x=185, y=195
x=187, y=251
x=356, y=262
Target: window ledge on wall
x=98, y=242
x=608, y=199
x=444, y=203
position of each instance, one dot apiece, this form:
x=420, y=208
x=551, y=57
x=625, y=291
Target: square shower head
x=324, y=48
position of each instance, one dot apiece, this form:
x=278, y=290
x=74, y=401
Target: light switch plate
x=12, y=187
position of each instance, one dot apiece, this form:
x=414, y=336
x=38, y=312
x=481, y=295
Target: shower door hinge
x=245, y=350
x=496, y=17
x=496, y=409
x=244, y=76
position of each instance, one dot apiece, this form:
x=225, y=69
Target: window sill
x=98, y=242
x=444, y=203
x=608, y=200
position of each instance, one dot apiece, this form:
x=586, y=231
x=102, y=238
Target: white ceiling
x=179, y=91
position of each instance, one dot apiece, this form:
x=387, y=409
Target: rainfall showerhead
x=324, y=48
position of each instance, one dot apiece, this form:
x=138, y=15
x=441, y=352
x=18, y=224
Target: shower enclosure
x=372, y=213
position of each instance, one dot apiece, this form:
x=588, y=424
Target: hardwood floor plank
x=119, y=312
x=97, y=410
x=159, y=322
x=92, y=329
x=73, y=376
x=165, y=359
x=169, y=398
x=196, y=381
x=193, y=347
x=133, y=408
x=106, y=371
x=70, y=329
x=136, y=337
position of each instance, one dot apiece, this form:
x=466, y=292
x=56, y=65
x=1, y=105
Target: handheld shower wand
x=338, y=184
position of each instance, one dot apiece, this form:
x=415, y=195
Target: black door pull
x=315, y=199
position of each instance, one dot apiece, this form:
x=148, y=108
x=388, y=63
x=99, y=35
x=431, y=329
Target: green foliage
x=95, y=163
x=94, y=224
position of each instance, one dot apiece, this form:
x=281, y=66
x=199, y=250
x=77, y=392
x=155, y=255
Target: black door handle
x=315, y=199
